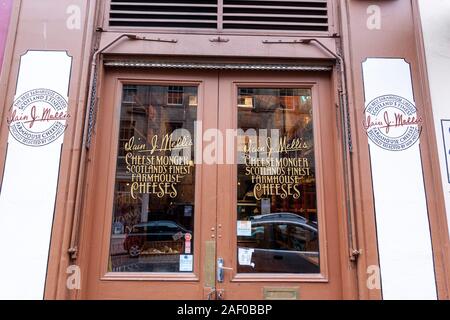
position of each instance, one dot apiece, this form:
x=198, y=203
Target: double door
x=214, y=185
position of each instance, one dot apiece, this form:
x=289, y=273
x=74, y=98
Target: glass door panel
x=277, y=225
x=153, y=213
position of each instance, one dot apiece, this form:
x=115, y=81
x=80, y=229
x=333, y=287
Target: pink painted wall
x=5, y=12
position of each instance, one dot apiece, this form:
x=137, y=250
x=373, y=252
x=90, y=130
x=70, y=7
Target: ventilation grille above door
x=306, y=15
x=164, y=13
x=267, y=15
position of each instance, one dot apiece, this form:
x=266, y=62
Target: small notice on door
x=186, y=262
x=245, y=257
x=188, y=211
x=244, y=228
x=265, y=206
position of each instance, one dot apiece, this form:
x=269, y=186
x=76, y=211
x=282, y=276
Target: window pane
x=277, y=213
x=153, y=218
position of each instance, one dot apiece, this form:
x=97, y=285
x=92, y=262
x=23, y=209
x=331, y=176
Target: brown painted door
x=220, y=185
x=278, y=212
x=145, y=209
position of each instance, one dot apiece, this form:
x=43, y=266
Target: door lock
x=220, y=294
x=215, y=294
x=220, y=270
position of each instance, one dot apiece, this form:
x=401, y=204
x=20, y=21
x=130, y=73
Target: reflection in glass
x=277, y=211
x=153, y=217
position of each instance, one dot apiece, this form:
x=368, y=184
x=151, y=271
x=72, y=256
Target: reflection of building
x=283, y=116
x=308, y=68
x=149, y=112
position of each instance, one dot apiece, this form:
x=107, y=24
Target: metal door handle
x=220, y=270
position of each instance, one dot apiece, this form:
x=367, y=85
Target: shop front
x=220, y=150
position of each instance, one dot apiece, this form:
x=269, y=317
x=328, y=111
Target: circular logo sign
x=391, y=123
x=38, y=117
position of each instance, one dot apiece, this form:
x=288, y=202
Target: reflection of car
x=278, y=215
x=282, y=243
x=161, y=230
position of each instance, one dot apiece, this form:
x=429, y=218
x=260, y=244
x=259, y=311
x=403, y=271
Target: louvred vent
x=164, y=13
x=281, y=15
x=276, y=15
